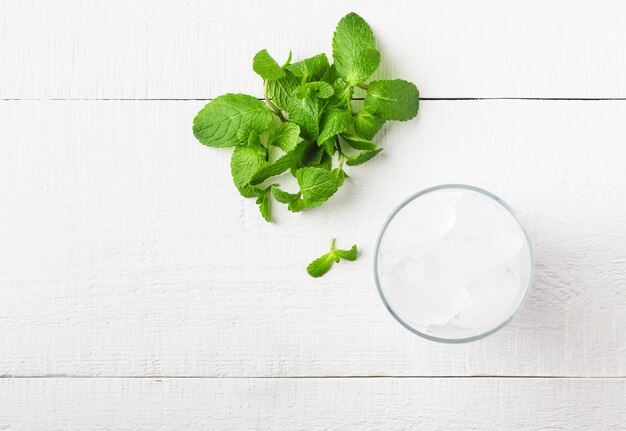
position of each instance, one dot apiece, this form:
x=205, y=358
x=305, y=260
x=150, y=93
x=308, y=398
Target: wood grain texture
x=201, y=49
x=126, y=250
x=312, y=404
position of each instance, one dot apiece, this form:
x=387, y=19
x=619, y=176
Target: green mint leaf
x=216, y=124
x=305, y=112
x=321, y=265
x=296, y=205
x=347, y=254
x=263, y=200
x=358, y=143
x=284, y=163
x=281, y=90
x=363, y=157
x=319, y=89
x=285, y=136
x=330, y=147
x=245, y=161
x=310, y=68
x=366, y=124
x=282, y=196
x=354, y=50
x=316, y=185
x=341, y=175
x=266, y=67
x=393, y=99
x=334, y=122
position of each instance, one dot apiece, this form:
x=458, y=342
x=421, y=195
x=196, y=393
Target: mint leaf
x=321, y=265
x=341, y=176
x=319, y=89
x=216, y=125
x=316, y=185
x=354, y=50
x=310, y=68
x=393, y=99
x=282, y=196
x=305, y=112
x=296, y=205
x=263, y=200
x=358, y=143
x=267, y=68
x=366, y=124
x=281, y=90
x=284, y=163
x=245, y=161
x=363, y=157
x=285, y=136
x=334, y=122
x=347, y=254
x=330, y=147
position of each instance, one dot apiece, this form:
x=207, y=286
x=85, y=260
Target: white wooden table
x=138, y=291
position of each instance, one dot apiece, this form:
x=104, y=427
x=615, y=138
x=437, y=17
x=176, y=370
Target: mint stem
x=332, y=243
x=363, y=86
x=275, y=108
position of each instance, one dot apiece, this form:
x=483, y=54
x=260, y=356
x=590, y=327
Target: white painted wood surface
x=127, y=257
x=127, y=250
x=318, y=404
x=200, y=49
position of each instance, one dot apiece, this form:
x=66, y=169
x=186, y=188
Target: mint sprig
x=321, y=265
x=307, y=125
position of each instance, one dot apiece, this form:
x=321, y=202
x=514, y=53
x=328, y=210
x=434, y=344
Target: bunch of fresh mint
x=307, y=120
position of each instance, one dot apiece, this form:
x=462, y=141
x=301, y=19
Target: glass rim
x=493, y=197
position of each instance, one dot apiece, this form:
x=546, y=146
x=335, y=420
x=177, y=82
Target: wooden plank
x=126, y=250
x=329, y=404
x=201, y=49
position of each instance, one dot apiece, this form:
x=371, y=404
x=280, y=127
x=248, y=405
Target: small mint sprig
x=321, y=265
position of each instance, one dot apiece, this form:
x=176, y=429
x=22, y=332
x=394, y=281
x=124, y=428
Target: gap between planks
x=174, y=377
x=550, y=99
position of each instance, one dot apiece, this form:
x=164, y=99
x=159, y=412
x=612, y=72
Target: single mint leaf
x=354, y=50
x=334, y=122
x=316, y=185
x=363, y=157
x=249, y=191
x=321, y=265
x=393, y=99
x=245, y=161
x=285, y=136
x=310, y=68
x=366, y=124
x=266, y=67
x=284, y=163
x=341, y=176
x=358, y=143
x=305, y=112
x=263, y=200
x=282, y=196
x=281, y=90
x=330, y=147
x=347, y=254
x=216, y=124
x=296, y=205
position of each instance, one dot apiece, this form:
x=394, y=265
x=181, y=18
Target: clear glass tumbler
x=453, y=263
